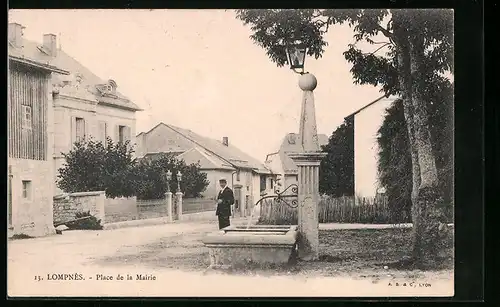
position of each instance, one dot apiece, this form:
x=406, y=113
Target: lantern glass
x=296, y=55
x=179, y=176
x=169, y=175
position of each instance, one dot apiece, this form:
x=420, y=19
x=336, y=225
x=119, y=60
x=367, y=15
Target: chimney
x=16, y=34
x=50, y=44
x=225, y=141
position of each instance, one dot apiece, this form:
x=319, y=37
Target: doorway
x=237, y=200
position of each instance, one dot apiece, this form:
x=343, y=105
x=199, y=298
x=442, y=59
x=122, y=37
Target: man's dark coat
x=224, y=208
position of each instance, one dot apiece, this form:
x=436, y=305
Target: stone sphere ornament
x=308, y=82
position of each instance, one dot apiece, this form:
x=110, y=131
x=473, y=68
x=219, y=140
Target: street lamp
x=308, y=158
x=179, y=179
x=169, y=177
x=296, y=56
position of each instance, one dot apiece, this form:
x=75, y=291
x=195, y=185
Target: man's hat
x=222, y=179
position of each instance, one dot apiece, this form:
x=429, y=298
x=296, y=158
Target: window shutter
x=127, y=134
x=84, y=128
x=102, y=131
x=105, y=132
x=73, y=130
x=117, y=133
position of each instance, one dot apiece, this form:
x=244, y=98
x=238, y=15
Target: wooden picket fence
x=335, y=210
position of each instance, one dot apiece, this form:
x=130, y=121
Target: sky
x=199, y=70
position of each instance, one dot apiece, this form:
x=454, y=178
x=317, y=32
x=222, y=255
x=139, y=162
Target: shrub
x=336, y=173
x=20, y=236
x=94, y=166
x=151, y=180
x=89, y=223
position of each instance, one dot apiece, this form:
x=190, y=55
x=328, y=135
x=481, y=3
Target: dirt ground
x=352, y=262
x=358, y=253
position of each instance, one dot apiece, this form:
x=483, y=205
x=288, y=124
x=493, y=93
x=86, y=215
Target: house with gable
x=366, y=122
x=248, y=177
x=281, y=164
x=85, y=106
x=30, y=138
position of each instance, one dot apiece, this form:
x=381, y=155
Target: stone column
x=168, y=201
x=308, y=160
x=178, y=196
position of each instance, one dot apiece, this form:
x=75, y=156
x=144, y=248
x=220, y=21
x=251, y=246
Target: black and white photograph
x=230, y=153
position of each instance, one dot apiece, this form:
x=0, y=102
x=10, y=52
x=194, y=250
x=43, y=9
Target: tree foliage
x=111, y=167
x=151, y=177
x=336, y=176
x=94, y=166
x=394, y=164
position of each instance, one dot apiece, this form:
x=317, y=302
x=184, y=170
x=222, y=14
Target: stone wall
x=67, y=205
x=121, y=209
x=193, y=205
x=149, y=209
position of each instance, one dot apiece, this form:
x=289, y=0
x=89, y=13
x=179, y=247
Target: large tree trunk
x=405, y=84
x=426, y=212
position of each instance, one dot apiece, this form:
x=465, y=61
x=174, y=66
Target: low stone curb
x=208, y=216
x=137, y=223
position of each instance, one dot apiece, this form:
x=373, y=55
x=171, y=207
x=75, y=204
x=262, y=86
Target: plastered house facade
x=248, y=177
x=367, y=121
x=282, y=165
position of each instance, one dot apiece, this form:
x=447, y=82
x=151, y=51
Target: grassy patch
x=369, y=252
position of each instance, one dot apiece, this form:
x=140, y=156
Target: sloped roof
x=291, y=144
x=204, y=158
x=230, y=154
x=34, y=51
x=371, y=103
x=20, y=56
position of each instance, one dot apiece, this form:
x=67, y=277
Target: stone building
x=281, y=164
x=247, y=176
x=30, y=138
x=85, y=106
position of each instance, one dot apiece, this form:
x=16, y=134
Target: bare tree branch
x=386, y=32
x=371, y=53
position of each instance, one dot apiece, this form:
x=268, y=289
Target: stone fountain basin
x=257, y=244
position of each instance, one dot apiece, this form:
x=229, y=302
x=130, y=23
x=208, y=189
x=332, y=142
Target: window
x=123, y=134
x=262, y=183
x=27, y=189
x=271, y=181
x=27, y=118
x=238, y=175
x=80, y=129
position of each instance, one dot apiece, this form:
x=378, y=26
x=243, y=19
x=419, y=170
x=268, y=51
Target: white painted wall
x=366, y=124
x=67, y=108
x=273, y=162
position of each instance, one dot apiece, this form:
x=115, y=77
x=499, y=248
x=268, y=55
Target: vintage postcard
x=230, y=153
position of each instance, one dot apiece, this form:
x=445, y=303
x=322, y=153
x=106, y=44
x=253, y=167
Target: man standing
x=225, y=200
